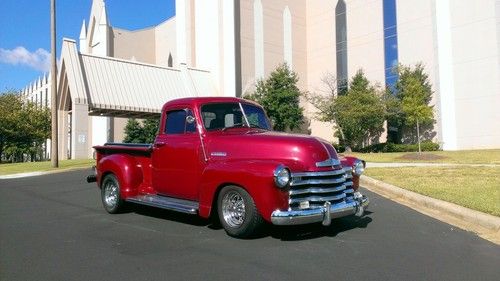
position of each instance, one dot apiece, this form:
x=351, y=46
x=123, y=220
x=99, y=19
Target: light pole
x=54, y=154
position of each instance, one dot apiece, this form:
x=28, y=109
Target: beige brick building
x=239, y=41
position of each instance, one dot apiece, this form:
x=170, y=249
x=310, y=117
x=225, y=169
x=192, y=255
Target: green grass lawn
x=7, y=169
x=485, y=156
x=477, y=188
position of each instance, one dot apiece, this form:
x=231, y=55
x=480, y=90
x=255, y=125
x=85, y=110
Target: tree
x=359, y=114
x=135, y=132
x=324, y=103
x=279, y=95
x=394, y=115
x=24, y=127
x=415, y=93
x=150, y=127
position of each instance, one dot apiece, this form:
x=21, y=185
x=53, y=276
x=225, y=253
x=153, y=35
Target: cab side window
x=179, y=123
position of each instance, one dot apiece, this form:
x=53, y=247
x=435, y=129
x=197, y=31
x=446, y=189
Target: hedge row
x=392, y=147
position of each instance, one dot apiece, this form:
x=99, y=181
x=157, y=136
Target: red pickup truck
x=219, y=156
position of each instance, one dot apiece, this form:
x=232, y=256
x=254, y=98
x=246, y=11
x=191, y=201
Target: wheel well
x=103, y=176
x=213, y=211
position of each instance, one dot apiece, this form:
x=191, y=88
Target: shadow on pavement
x=311, y=231
x=284, y=233
x=169, y=215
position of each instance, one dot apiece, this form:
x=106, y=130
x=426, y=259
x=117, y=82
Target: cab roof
x=197, y=101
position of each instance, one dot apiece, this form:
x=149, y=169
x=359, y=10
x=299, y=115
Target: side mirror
x=190, y=119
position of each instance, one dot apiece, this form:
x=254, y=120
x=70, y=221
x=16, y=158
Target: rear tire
x=110, y=195
x=238, y=214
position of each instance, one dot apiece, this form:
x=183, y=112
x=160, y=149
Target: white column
x=209, y=39
x=79, y=131
x=229, y=56
x=287, y=37
x=180, y=26
x=258, y=30
x=446, y=80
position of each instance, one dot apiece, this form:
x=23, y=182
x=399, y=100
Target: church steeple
x=83, y=39
x=104, y=16
x=98, y=34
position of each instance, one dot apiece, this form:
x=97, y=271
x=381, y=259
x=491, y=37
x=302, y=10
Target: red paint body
x=190, y=166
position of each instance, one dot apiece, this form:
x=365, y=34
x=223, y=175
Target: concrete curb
x=467, y=216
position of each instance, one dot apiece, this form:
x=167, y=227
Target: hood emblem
x=218, y=153
x=330, y=162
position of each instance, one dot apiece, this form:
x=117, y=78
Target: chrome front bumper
x=324, y=214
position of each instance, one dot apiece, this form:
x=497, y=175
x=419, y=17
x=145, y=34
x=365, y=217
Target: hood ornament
x=330, y=162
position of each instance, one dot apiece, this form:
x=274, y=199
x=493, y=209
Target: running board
x=169, y=203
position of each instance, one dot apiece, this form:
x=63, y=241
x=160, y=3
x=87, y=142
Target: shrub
x=392, y=147
x=339, y=148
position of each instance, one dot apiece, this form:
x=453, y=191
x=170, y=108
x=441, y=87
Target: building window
x=170, y=61
x=341, y=46
x=390, y=42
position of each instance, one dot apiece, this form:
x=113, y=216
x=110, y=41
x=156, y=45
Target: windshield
x=221, y=116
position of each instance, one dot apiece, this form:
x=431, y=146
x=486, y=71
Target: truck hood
x=299, y=152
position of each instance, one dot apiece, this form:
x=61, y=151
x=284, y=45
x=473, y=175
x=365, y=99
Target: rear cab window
x=180, y=122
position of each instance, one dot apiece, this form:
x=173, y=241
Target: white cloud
x=39, y=59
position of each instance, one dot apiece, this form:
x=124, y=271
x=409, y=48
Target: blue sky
x=25, y=31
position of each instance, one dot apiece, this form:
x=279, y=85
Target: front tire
x=110, y=195
x=237, y=212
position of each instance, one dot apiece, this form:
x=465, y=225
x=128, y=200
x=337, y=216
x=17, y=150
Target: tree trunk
x=418, y=138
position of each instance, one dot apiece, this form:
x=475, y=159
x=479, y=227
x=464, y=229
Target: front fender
x=256, y=177
x=126, y=170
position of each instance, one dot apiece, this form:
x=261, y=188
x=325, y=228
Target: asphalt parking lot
x=53, y=227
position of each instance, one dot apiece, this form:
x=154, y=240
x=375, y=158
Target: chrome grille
x=313, y=189
x=349, y=191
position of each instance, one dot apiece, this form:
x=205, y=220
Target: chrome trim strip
x=244, y=114
x=317, y=190
x=317, y=198
x=319, y=174
x=174, y=204
x=317, y=181
x=328, y=163
x=349, y=190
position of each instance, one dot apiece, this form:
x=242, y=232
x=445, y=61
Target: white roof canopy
x=115, y=87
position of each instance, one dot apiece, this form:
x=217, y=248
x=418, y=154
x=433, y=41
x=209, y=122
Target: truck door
x=177, y=156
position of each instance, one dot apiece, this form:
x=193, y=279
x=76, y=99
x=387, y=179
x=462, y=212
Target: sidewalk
x=404, y=164
x=40, y=173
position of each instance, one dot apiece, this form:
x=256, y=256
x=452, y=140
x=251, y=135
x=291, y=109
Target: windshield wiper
x=237, y=125
x=257, y=126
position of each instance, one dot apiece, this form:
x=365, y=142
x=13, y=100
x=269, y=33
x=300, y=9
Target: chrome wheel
x=111, y=194
x=233, y=209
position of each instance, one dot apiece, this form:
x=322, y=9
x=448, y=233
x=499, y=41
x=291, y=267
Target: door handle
x=159, y=144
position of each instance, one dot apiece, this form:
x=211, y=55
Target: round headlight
x=282, y=176
x=358, y=168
